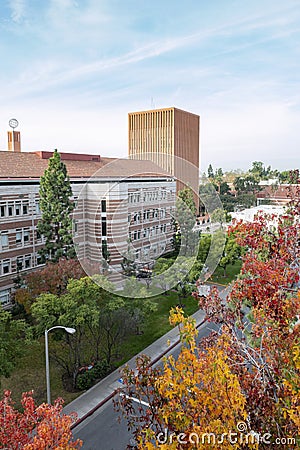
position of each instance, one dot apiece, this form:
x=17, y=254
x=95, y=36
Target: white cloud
x=17, y=10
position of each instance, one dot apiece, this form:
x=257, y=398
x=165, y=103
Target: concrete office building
x=170, y=138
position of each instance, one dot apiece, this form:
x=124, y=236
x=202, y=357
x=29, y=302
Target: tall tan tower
x=170, y=138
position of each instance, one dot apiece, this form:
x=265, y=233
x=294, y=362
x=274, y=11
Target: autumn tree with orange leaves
x=264, y=303
x=52, y=278
x=41, y=427
x=249, y=370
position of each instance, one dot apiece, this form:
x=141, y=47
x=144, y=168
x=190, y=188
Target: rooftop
x=32, y=165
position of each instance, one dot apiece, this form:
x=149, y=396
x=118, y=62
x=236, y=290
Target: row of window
x=22, y=262
x=149, y=196
x=16, y=208
x=22, y=238
x=147, y=232
x=148, y=214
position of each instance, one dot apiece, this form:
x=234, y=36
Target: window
x=26, y=236
x=5, y=266
x=25, y=208
x=39, y=260
x=163, y=213
x=103, y=206
x=27, y=260
x=5, y=297
x=2, y=210
x=37, y=207
x=10, y=210
x=20, y=263
x=18, y=209
x=22, y=236
x=103, y=226
x=18, y=236
x=137, y=217
x=4, y=240
x=105, y=252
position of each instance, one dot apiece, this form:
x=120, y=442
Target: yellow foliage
x=203, y=397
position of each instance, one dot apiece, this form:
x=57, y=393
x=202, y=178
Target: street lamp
x=68, y=330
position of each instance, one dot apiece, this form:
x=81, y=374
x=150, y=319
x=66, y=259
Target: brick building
x=125, y=203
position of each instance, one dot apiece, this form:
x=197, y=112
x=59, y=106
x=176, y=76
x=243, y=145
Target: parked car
x=144, y=273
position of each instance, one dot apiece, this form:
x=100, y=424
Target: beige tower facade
x=169, y=137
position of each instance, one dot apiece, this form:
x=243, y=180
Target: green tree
x=11, y=342
x=218, y=216
x=204, y=246
x=129, y=263
x=232, y=252
x=290, y=176
x=56, y=206
x=78, y=308
x=224, y=188
x=186, y=195
x=185, y=216
x=210, y=171
x=260, y=172
x=161, y=266
x=218, y=179
x=246, y=184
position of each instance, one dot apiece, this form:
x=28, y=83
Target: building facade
x=123, y=208
x=170, y=138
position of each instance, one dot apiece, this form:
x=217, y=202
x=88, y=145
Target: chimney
x=14, y=141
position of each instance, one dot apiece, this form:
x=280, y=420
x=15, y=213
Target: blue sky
x=72, y=70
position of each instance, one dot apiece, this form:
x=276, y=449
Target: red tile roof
x=280, y=192
x=26, y=165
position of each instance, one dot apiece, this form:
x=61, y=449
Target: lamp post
x=68, y=330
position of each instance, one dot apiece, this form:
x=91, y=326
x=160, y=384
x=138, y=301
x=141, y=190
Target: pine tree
x=56, y=206
x=210, y=171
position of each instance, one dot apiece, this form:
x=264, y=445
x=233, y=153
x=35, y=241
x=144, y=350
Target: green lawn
x=30, y=373
x=157, y=324
x=232, y=272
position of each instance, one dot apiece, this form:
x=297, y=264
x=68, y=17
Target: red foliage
x=37, y=427
x=53, y=279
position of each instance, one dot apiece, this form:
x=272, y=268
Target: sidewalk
x=88, y=402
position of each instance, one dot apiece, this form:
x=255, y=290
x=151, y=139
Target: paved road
x=102, y=431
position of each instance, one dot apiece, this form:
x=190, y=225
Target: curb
x=112, y=394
